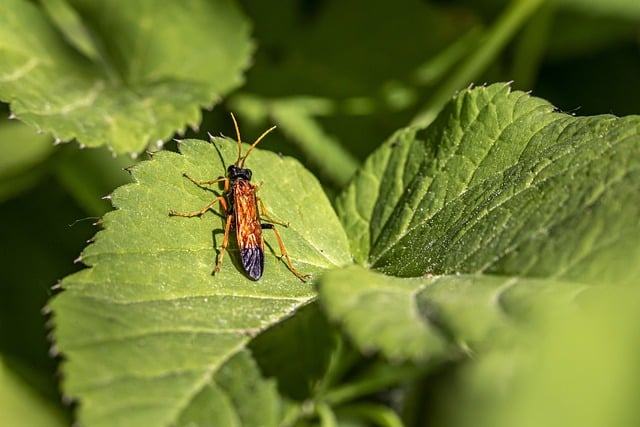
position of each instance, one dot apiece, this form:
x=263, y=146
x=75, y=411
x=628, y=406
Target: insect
x=240, y=205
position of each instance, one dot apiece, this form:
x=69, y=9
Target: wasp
x=240, y=205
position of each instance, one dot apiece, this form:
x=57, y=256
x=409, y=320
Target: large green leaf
x=577, y=367
x=432, y=317
x=126, y=75
x=502, y=183
x=529, y=204
x=147, y=332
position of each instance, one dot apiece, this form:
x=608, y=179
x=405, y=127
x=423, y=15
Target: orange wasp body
x=240, y=204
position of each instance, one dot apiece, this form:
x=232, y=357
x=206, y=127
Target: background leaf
x=502, y=184
x=306, y=342
x=21, y=151
x=148, y=330
x=120, y=75
x=568, y=368
x=433, y=317
x=623, y=8
x=321, y=61
x=21, y=404
x=227, y=401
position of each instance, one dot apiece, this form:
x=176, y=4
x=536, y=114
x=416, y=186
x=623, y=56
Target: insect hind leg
x=283, y=252
x=265, y=215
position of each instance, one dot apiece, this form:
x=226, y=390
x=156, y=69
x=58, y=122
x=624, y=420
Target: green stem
x=530, y=47
x=326, y=415
x=371, y=383
x=492, y=43
x=439, y=65
x=377, y=414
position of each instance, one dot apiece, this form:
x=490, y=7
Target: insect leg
x=265, y=215
x=225, y=241
x=220, y=199
x=283, y=253
x=204, y=183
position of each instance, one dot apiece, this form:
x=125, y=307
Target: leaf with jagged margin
x=501, y=183
x=147, y=330
x=126, y=76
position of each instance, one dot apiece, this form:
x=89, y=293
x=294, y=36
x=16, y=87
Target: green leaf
x=432, y=317
x=306, y=342
x=22, y=151
x=226, y=401
x=625, y=9
x=501, y=183
x=127, y=76
x=21, y=405
x=573, y=367
x=147, y=331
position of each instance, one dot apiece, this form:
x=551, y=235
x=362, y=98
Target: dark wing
x=248, y=229
x=252, y=262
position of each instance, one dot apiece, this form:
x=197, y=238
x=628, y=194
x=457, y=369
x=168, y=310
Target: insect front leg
x=205, y=183
x=283, y=252
x=220, y=199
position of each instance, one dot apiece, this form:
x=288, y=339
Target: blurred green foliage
x=353, y=72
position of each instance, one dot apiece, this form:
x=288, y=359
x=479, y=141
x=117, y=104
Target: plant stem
x=377, y=414
x=490, y=45
x=371, y=383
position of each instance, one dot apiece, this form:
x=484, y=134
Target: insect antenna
x=241, y=159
